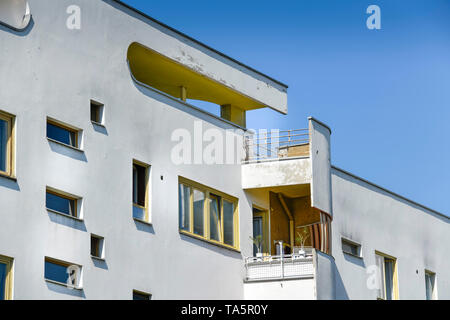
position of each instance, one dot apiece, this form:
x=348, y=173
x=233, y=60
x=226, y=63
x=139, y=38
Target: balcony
x=280, y=267
x=276, y=144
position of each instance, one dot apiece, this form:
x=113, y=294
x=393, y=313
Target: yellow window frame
x=67, y=196
x=147, y=191
x=206, y=214
x=66, y=127
x=395, y=288
x=9, y=276
x=10, y=145
x=264, y=214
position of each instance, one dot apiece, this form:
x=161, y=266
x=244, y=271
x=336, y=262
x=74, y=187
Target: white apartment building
x=100, y=200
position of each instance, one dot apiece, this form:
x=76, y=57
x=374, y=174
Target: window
x=430, y=285
x=140, y=191
x=351, y=247
x=62, y=133
x=97, y=110
x=141, y=296
x=61, y=203
x=257, y=232
x=6, y=143
x=208, y=214
x=6, y=278
x=97, y=246
x=62, y=272
x=387, y=268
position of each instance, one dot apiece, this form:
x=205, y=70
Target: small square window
x=97, y=246
x=140, y=191
x=61, y=203
x=97, y=110
x=62, y=133
x=351, y=248
x=141, y=296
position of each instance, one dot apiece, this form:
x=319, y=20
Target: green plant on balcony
x=301, y=238
x=257, y=241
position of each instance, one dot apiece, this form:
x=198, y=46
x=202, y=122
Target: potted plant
x=301, y=238
x=257, y=241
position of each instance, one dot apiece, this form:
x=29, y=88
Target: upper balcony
x=266, y=153
x=276, y=144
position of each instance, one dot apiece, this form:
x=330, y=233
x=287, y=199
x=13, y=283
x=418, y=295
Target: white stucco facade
x=50, y=71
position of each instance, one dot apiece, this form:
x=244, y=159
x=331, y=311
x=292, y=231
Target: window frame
x=10, y=145
x=65, y=264
x=147, y=215
x=76, y=203
x=263, y=213
x=9, y=281
x=142, y=293
x=207, y=214
x=352, y=243
x=100, y=112
x=64, y=126
x=395, y=287
x=434, y=293
x=101, y=247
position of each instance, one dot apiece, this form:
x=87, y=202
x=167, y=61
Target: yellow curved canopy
x=169, y=76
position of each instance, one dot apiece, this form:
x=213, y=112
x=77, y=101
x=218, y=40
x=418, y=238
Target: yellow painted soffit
x=167, y=75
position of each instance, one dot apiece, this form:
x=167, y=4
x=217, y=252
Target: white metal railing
x=280, y=267
x=266, y=145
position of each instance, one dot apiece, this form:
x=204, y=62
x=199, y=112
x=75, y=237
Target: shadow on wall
x=144, y=227
x=65, y=290
x=341, y=292
x=9, y=183
x=19, y=33
x=68, y=152
x=100, y=129
x=66, y=221
x=100, y=263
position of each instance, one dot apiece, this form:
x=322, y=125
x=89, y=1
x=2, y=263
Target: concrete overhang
x=15, y=14
x=283, y=174
x=204, y=79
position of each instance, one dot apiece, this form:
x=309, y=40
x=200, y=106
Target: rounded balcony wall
x=15, y=14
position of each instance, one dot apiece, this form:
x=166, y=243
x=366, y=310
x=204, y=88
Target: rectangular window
x=214, y=217
x=61, y=203
x=228, y=222
x=6, y=278
x=97, y=245
x=62, y=133
x=184, y=206
x=351, y=247
x=208, y=214
x=387, y=270
x=141, y=296
x=97, y=112
x=6, y=143
x=140, y=191
x=430, y=285
x=62, y=272
x=199, y=206
x=257, y=233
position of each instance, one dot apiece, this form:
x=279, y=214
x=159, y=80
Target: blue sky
x=384, y=93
